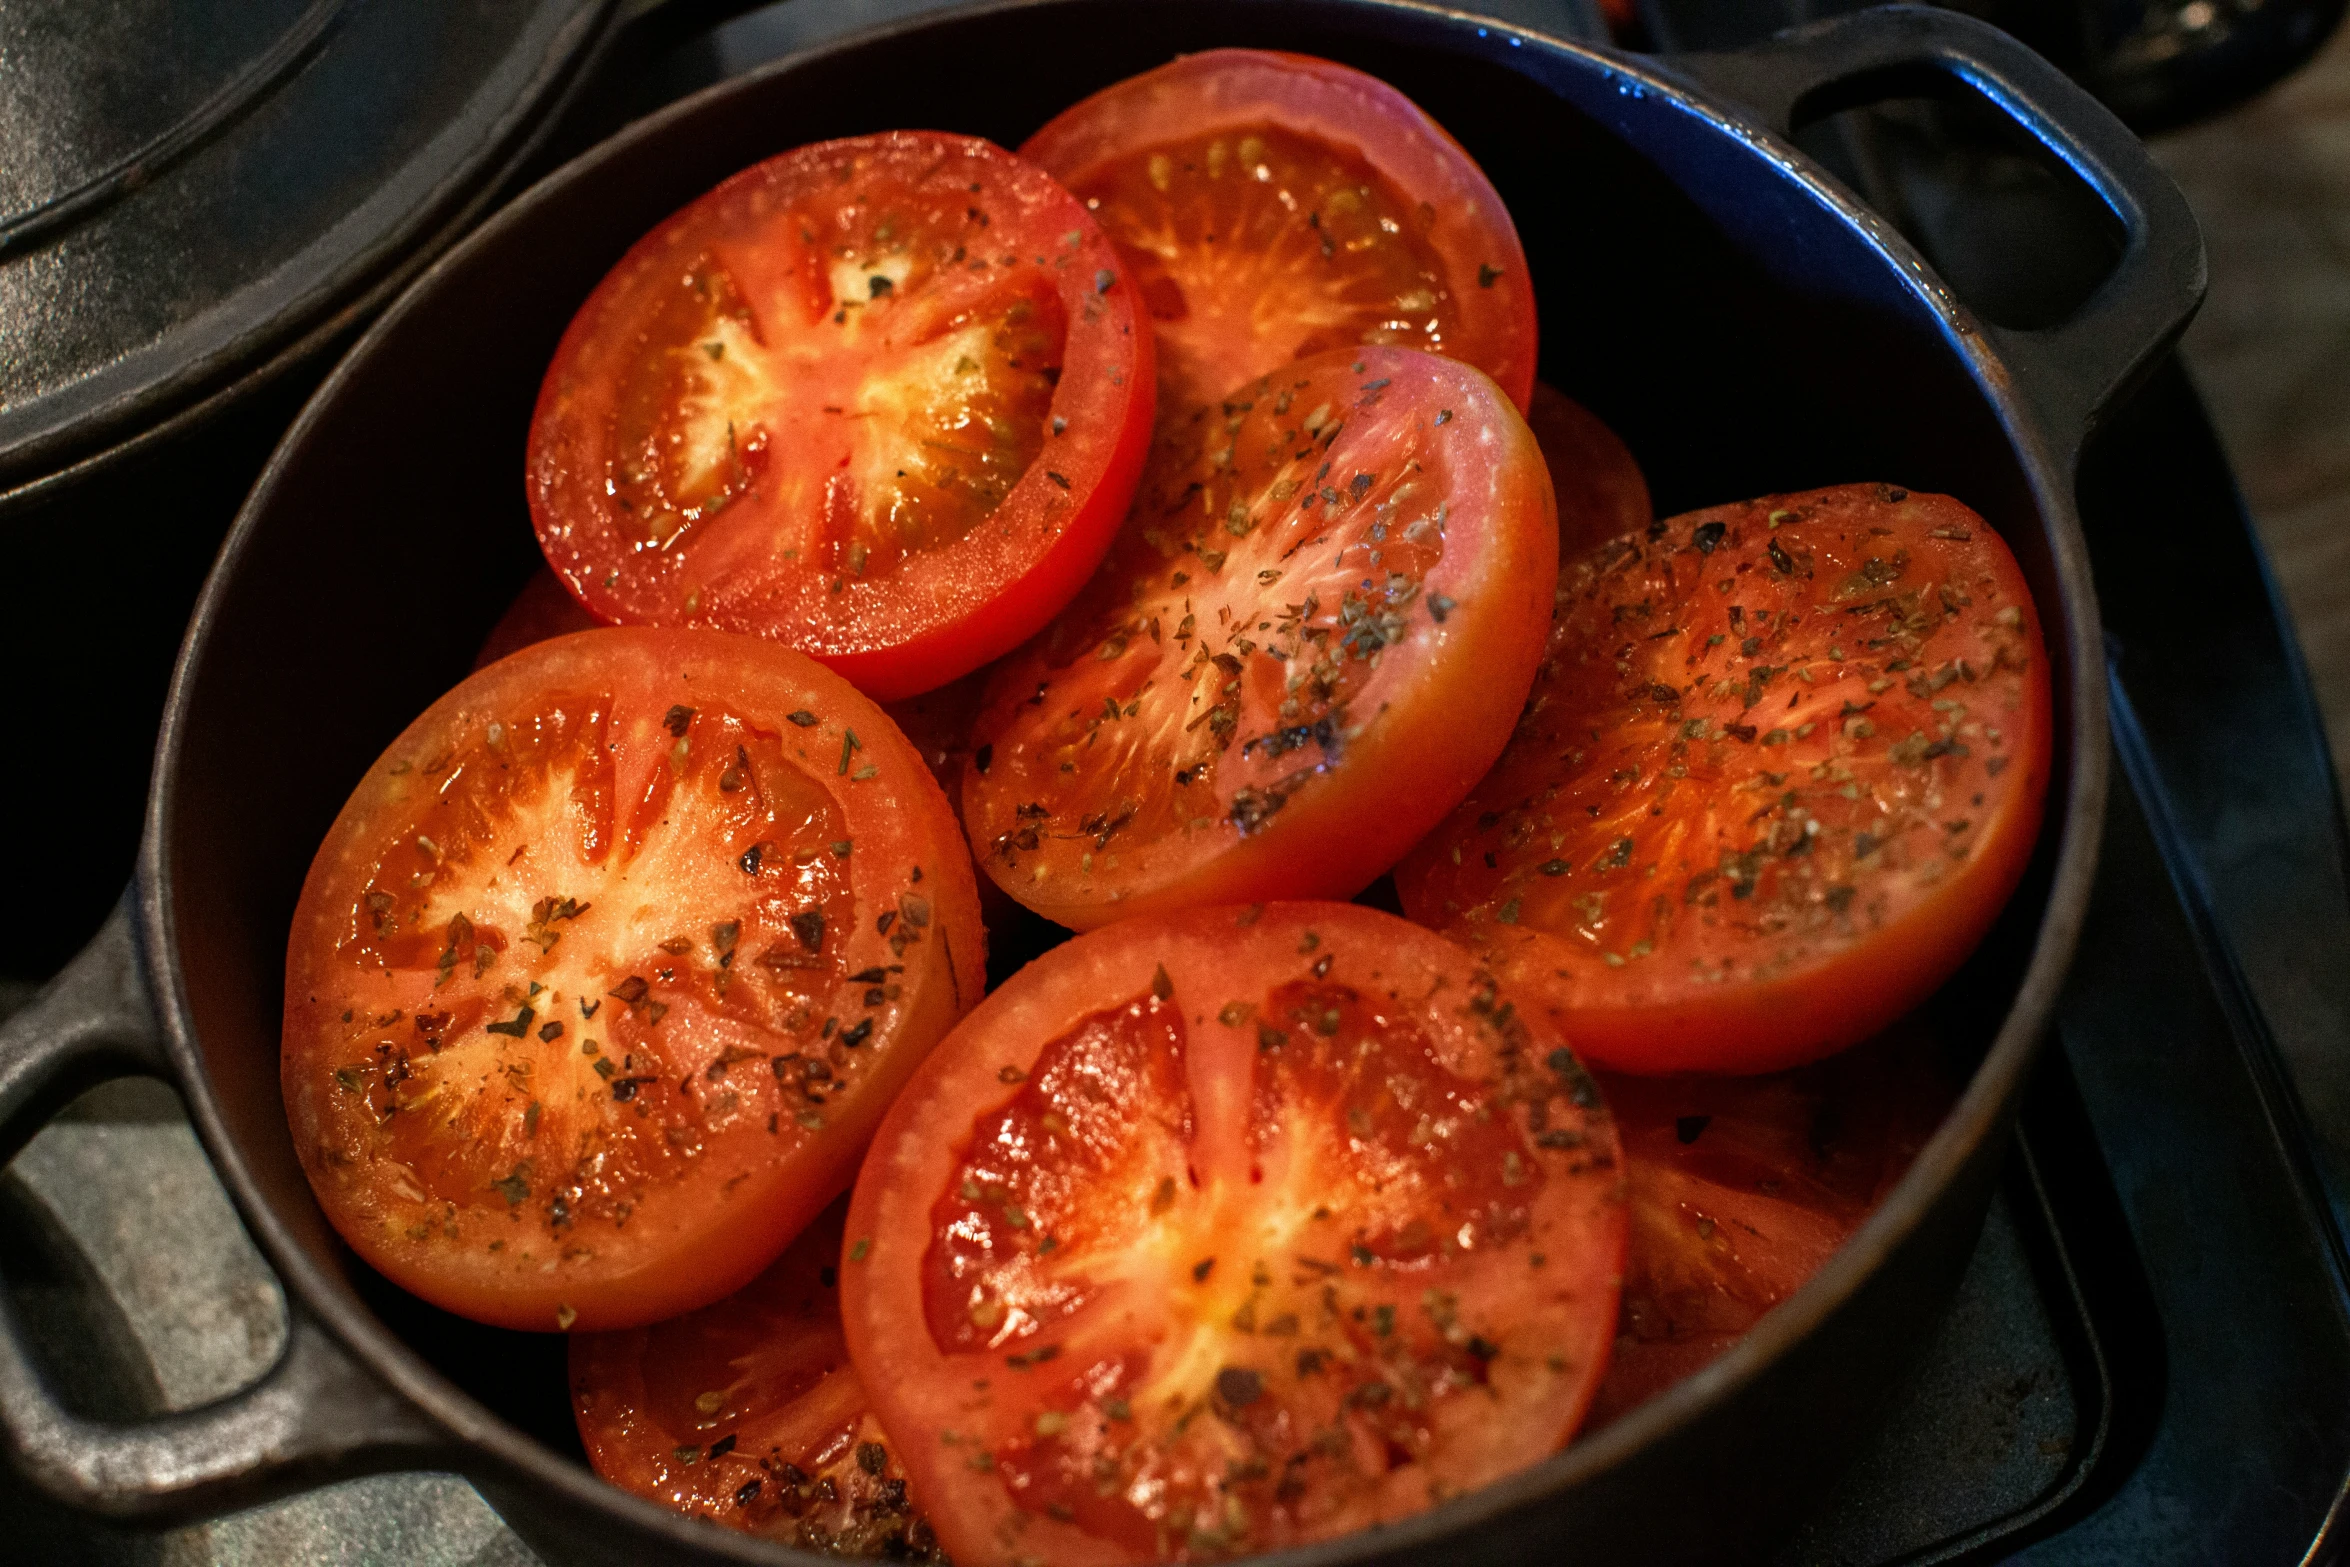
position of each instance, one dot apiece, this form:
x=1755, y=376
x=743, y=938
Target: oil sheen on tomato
x=748, y=1413
x=1741, y=1188
x=1312, y=636
x=1274, y=206
x=1781, y=769
x=608, y=967
x=1233, y=1231
x=881, y=399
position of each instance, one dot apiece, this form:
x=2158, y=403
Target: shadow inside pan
x=1739, y=336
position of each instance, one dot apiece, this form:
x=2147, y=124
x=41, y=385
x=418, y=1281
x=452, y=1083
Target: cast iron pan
x=1741, y=319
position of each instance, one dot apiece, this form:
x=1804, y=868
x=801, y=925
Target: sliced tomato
x=607, y=970
x=1275, y=205
x=544, y=608
x=883, y=400
x=1311, y=638
x=1782, y=768
x=1227, y=1231
x=1743, y=1187
x=748, y=1412
x=1600, y=489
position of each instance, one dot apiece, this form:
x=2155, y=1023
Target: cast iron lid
x=189, y=190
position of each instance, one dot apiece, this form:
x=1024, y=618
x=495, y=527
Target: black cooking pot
x=1741, y=319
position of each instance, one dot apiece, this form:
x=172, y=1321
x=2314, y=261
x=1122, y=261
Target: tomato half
x=1227, y=1231
x=1312, y=637
x=1275, y=205
x=748, y=1413
x=544, y=608
x=607, y=970
x=1600, y=489
x=883, y=400
x=1782, y=767
x=1742, y=1187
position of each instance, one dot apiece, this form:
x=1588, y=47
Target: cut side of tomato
x=747, y=1412
x=1781, y=770
x=1743, y=1187
x=543, y=609
x=1312, y=637
x=1274, y=206
x=883, y=400
x=609, y=967
x=1228, y=1231
x=1598, y=484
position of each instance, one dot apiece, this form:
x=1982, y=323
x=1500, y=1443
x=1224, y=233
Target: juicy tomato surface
x=1600, y=489
x=544, y=608
x=1275, y=205
x=1231, y=1230
x=1782, y=767
x=883, y=400
x=1742, y=1187
x=1311, y=638
x=749, y=1413
x=609, y=967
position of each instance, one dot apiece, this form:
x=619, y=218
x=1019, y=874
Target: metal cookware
x=1738, y=316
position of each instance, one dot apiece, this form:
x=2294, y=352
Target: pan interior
x=1738, y=333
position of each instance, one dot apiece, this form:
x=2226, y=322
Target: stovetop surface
x=2148, y=1360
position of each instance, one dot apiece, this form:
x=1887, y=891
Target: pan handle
x=314, y=1417
x=2076, y=370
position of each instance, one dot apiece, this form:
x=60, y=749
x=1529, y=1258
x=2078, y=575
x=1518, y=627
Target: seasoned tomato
x=1231, y=1230
x=749, y=1413
x=1741, y=1187
x=544, y=608
x=1275, y=205
x=607, y=970
x=883, y=400
x=1782, y=767
x=1600, y=489
x=1311, y=639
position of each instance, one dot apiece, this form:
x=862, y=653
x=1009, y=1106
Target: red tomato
x=938, y=724
x=1782, y=768
x=544, y=608
x=883, y=400
x=1228, y=1231
x=1311, y=639
x=749, y=1413
x=1275, y=205
x=1600, y=489
x=607, y=970
x=1741, y=1187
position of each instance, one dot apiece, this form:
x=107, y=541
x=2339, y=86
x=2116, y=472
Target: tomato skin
x=1742, y=1187
x=787, y=1446
x=611, y=819
x=1480, y=307
x=1161, y=1234
x=829, y=382
x=543, y=609
x=1600, y=488
x=1292, y=732
x=1695, y=876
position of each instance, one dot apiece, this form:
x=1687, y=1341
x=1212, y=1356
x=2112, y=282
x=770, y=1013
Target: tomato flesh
x=587, y=1010
x=1230, y=1231
x=1741, y=1188
x=1312, y=636
x=1274, y=206
x=1781, y=769
x=881, y=399
x=1600, y=489
x=544, y=608
x=748, y=1412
